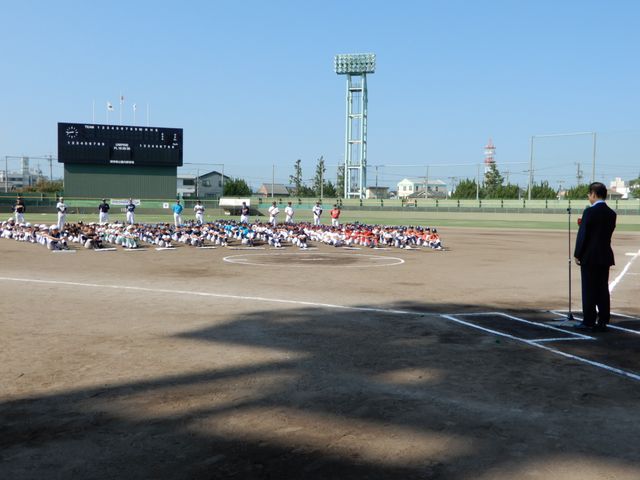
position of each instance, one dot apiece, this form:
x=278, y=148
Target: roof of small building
x=278, y=189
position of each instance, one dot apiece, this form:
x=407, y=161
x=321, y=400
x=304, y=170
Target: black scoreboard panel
x=119, y=144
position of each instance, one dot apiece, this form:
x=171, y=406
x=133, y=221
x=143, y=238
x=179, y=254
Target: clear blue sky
x=252, y=82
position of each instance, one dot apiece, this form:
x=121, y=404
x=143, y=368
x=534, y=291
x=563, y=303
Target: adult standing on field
x=177, y=213
x=131, y=208
x=103, y=212
x=19, y=210
x=594, y=255
x=317, y=213
x=273, y=214
x=61, y=208
x=198, y=208
x=244, y=213
x=288, y=211
x=335, y=216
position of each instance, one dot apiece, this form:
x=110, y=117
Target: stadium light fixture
x=354, y=63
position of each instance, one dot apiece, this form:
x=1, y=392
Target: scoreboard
x=119, y=145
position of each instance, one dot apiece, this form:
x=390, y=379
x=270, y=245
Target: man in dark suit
x=594, y=255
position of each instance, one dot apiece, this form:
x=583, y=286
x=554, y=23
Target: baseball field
x=321, y=364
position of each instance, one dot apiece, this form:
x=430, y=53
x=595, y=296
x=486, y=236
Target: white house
x=415, y=187
x=618, y=186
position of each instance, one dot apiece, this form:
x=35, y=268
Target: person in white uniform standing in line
x=244, y=213
x=317, y=213
x=288, y=211
x=273, y=214
x=198, y=208
x=61, y=207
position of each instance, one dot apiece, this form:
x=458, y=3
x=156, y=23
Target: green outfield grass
x=627, y=223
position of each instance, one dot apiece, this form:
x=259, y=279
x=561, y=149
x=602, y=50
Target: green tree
x=542, y=191
x=493, y=182
x=296, y=179
x=466, y=189
x=340, y=181
x=45, y=186
x=509, y=191
x=330, y=190
x=236, y=187
x=634, y=187
x=579, y=192
x=319, y=177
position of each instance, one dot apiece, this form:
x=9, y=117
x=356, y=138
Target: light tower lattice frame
x=355, y=67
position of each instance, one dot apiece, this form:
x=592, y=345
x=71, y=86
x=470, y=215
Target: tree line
x=494, y=187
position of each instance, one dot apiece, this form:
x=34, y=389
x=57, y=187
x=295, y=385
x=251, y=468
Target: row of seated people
x=221, y=233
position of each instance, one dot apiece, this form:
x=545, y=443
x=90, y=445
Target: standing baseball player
x=288, y=211
x=131, y=208
x=273, y=214
x=244, y=213
x=19, y=210
x=317, y=213
x=61, y=207
x=335, y=216
x=177, y=213
x=198, y=208
x=103, y=212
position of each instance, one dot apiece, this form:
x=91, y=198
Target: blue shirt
x=177, y=208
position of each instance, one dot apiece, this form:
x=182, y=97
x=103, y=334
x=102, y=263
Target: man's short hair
x=598, y=189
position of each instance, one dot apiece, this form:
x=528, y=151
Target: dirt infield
x=263, y=364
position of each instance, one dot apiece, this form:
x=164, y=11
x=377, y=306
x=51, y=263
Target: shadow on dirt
x=348, y=395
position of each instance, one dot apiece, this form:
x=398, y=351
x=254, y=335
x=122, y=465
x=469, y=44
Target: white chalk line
x=613, y=327
x=619, y=278
x=337, y=307
x=214, y=295
x=542, y=325
x=537, y=344
x=245, y=259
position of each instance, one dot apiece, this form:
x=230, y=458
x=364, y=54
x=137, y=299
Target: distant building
x=377, y=192
x=209, y=185
x=279, y=190
x=619, y=187
x=418, y=188
x=10, y=181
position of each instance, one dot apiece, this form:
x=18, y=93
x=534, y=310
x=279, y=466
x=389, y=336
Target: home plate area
x=614, y=351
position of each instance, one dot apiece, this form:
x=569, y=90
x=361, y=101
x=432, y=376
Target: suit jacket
x=593, y=243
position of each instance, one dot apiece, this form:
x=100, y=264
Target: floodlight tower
x=355, y=67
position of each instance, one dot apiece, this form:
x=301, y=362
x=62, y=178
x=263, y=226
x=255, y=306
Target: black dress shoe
x=601, y=328
x=583, y=327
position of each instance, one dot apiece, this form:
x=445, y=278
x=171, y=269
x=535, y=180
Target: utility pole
x=478, y=184
x=273, y=178
x=49, y=157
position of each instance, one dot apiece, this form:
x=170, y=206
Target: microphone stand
x=569, y=315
